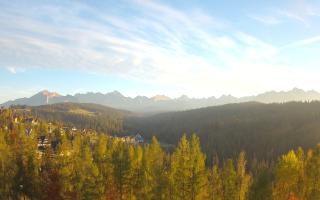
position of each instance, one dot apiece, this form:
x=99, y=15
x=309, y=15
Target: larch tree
x=102, y=157
x=7, y=168
x=121, y=170
x=197, y=180
x=65, y=158
x=137, y=172
x=244, y=179
x=313, y=175
x=156, y=180
x=287, y=177
x=91, y=188
x=180, y=170
x=214, y=187
x=188, y=169
x=229, y=181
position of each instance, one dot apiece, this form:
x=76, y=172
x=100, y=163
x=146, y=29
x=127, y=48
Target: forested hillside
x=81, y=115
x=263, y=130
x=90, y=166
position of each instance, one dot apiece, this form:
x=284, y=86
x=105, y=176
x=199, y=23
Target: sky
x=148, y=47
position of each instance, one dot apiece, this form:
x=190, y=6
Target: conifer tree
x=65, y=161
x=50, y=177
x=313, y=175
x=301, y=192
x=121, y=170
x=102, y=157
x=229, y=181
x=286, y=177
x=90, y=187
x=262, y=181
x=156, y=179
x=7, y=168
x=188, y=169
x=197, y=179
x=244, y=179
x=180, y=170
x=26, y=180
x=137, y=172
x=214, y=187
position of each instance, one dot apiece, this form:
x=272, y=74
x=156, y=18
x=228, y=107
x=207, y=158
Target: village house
x=137, y=139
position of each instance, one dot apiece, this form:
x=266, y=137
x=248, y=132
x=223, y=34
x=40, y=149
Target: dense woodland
x=96, y=166
x=264, y=131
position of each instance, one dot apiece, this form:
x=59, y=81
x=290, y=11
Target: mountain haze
x=161, y=103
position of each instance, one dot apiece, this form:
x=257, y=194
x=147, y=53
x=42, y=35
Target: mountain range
x=161, y=103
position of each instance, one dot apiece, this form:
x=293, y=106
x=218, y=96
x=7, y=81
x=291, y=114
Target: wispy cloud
x=266, y=19
x=303, y=42
x=155, y=43
x=12, y=70
x=15, y=70
x=298, y=10
x=113, y=43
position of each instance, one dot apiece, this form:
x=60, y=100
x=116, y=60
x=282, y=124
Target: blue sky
x=149, y=47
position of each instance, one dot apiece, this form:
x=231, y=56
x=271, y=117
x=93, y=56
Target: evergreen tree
x=262, y=181
x=50, y=177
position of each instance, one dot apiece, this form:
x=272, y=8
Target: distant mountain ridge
x=161, y=103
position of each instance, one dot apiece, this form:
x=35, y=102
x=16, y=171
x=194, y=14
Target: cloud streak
x=156, y=43
x=297, y=11
x=266, y=19
x=304, y=42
